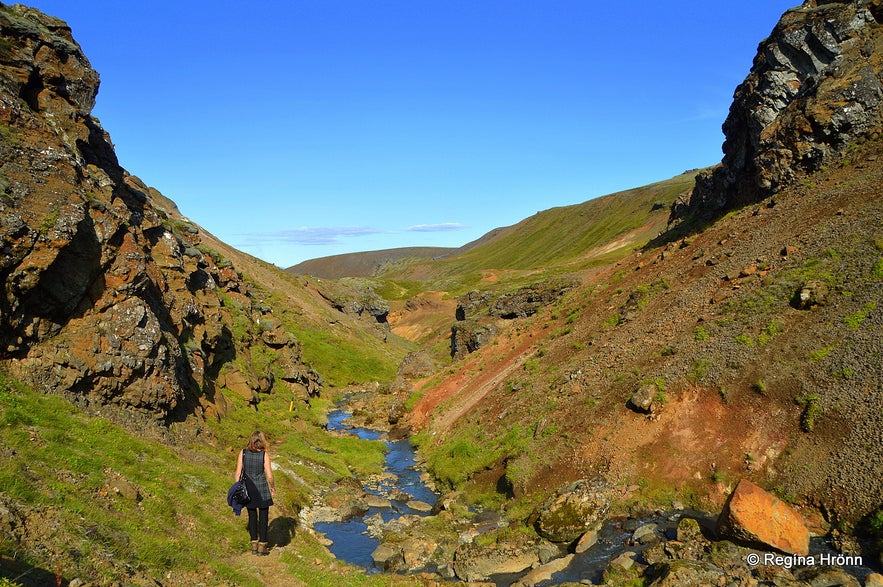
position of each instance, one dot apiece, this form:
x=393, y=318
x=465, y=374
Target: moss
x=812, y=409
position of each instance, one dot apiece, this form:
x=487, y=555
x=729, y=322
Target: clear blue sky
x=295, y=129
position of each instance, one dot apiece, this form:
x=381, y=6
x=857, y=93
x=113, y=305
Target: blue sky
x=295, y=129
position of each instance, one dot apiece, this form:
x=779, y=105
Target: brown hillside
x=714, y=326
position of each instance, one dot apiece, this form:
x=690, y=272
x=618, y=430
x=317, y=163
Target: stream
x=351, y=542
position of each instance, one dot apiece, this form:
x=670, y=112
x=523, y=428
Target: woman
x=255, y=463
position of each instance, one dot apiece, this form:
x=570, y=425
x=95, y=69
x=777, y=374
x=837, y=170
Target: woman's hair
x=257, y=442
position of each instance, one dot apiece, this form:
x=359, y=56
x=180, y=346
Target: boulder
x=475, y=563
x=825, y=576
x=577, y=508
x=685, y=573
x=642, y=399
x=755, y=517
x=387, y=557
x=544, y=572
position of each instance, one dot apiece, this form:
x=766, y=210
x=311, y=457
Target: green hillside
x=559, y=240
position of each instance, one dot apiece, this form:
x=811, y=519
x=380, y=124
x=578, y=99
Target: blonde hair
x=257, y=442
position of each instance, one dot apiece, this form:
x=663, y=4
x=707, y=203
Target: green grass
x=553, y=240
x=469, y=450
x=84, y=461
x=854, y=320
x=124, y=501
x=812, y=410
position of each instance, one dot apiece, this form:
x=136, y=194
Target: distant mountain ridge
x=365, y=264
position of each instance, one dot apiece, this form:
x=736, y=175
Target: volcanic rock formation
x=813, y=92
x=110, y=296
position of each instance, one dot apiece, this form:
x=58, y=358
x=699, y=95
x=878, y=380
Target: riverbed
x=407, y=494
x=401, y=485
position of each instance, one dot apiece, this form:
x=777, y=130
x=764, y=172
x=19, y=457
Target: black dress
x=253, y=466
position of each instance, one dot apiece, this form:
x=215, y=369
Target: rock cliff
x=813, y=92
x=110, y=296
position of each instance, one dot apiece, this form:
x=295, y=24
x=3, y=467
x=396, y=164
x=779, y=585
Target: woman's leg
x=253, y=523
x=263, y=523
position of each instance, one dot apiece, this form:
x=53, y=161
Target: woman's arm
x=238, y=467
x=268, y=471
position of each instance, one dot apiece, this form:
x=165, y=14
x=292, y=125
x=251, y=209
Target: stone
x=625, y=560
x=642, y=398
x=375, y=501
x=387, y=557
x=418, y=506
x=472, y=563
x=586, y=541
x=811, y=294
x=685, y=573
x=688, y=530
x=755, y=517
x=825, y=576
x=574, y=510
x=544, y=572
x=646, y=534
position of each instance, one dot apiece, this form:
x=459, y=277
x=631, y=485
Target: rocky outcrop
x=476, y=312
x=468, y=336
x=813, y=92
x=110, y=296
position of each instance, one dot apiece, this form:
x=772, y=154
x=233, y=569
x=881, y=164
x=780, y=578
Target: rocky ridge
x=111, y=297
x=813, y=92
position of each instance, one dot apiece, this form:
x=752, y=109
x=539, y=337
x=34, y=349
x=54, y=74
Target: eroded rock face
x=110, y=296
x=814, y=90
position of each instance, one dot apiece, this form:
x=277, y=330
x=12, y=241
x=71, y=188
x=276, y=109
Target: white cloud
x=441, y=227
x=312, y=235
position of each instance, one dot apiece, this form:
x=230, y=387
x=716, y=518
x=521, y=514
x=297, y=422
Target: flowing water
x=350, y=540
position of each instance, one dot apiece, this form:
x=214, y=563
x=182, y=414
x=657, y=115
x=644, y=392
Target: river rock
x=756, y=517
x=387, y=557
x=688, y=530
x=375, y=501
x=476, y=563
x=624, y=561
x=586, y=541
x=577, y=508
x=685, y=573
x=646, y=534
x=823, y=576
x=544, y=572
x=418, y=506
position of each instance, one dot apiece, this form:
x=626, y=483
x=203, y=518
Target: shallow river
x=351, y=543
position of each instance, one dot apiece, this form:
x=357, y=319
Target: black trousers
x=258, y=522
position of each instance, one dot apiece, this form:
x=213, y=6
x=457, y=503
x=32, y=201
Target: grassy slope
x=342, y=348
x=559, y=240
x=90, y=500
